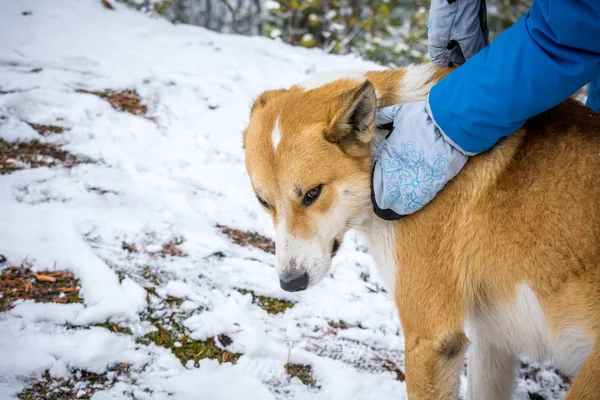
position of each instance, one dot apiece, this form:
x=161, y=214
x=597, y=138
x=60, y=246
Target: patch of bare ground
x=16, y=156
x=171, y=248
x=302, y=372
x=166, y=315
x=46, y=130
x=130, y=247
x=270, y=304
x=80, y=385
x=252, y=239
x=126, y=101
x=20, y=283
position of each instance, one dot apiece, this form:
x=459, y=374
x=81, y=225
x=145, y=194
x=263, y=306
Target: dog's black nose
x=295, y=284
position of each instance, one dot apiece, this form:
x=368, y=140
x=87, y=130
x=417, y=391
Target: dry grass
x=46, y=130
x=34, y=155
x=338, y=324
x=107, y=5
x=170, y=248
x=302, y=372
x=127, y=101
x=20, y=283
x=130, y=247
x=83, y=384
x=253, y=239
x=392, y=367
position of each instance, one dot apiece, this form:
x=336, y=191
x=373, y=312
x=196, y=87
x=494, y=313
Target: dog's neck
x=396, y=86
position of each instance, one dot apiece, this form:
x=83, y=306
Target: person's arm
x=537, y=63
x=540, y=61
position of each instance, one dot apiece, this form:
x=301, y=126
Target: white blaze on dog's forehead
x=324, y=78
x=276, y=135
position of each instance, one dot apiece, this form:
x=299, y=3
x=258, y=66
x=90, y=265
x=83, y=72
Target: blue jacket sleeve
x=545, y=57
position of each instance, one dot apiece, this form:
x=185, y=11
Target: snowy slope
x=175, y=175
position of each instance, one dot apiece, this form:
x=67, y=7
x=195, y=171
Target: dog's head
x=308, y=158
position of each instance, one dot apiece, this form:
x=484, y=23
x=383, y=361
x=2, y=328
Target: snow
x=175, y=176
x=14, y=130
x=271, y=5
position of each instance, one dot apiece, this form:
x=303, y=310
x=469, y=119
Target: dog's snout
x=294, y=283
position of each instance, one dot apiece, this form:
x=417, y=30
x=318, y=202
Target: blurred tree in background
x=391, y=32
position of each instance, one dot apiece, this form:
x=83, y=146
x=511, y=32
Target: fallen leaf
x=107, y=5
x=45, y=278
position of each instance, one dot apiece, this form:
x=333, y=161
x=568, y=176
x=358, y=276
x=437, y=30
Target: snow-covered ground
x=172, y=177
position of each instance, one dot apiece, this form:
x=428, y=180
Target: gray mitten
x=413, y=163
x=457, y=30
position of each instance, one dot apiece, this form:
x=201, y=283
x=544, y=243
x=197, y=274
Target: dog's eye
x=312, y=195
x=262, y=202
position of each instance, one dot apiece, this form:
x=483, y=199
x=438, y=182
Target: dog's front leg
x=432, y=316
x=433, y=365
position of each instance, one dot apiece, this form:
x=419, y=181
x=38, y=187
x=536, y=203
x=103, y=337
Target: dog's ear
x=353, y=115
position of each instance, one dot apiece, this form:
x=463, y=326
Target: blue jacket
x=552, y=51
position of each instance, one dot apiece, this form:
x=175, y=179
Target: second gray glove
x=457, y=30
